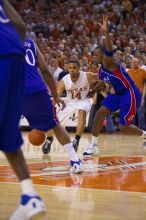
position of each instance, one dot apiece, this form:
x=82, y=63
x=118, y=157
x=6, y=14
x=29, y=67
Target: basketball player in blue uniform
x=126, y=98
x=38, y=108
x=12, y=71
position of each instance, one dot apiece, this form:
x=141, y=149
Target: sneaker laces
x=75, y=142
x=91, y=146
x=46, y=143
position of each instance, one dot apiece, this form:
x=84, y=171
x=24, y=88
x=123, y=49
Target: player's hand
x=60, y=102
x=104, y=24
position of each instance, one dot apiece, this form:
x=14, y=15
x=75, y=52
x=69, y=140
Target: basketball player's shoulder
x=66, y=78
x=83, y=74
x=87, y=75
x=28, y=43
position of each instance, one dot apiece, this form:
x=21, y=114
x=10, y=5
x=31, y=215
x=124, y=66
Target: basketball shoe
x=29, y=207
x=47, y=145
x=75, y=144
x=91, y=149
x=76, y=166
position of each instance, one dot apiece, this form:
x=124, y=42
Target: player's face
x=73, y=69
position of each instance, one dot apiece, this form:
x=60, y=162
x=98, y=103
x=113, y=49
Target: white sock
x=94, y=140
x=71, y=152
x=144, y=133
x=27, y=187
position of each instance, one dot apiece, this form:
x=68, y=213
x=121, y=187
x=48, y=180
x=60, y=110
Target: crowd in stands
x=65, y=30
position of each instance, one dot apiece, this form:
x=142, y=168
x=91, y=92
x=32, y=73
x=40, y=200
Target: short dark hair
x=75, y=62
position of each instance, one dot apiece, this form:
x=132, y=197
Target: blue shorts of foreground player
x=39, y=110
x=127, y=102
x=11, y=97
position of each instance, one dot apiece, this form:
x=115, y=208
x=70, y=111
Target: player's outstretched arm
x=15, y=18
x=108, y=60
x=92, y=77
x=104, y=28
x=95, y=83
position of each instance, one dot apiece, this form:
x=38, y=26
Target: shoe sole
x=38, y=216
x=46, y=152
x=88, y=155
x=78, y=172
x=91, y=155
x=72, y=171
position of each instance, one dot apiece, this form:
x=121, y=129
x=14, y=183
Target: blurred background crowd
x=65, y=30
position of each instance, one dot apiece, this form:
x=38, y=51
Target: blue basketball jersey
x=119, y=78
x=34, y=81
x=10, y=41
x=127, y=97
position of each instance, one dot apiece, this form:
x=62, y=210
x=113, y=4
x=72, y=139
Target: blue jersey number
x=30, y=58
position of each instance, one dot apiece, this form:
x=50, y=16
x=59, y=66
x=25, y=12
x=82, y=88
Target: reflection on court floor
x=113, y=172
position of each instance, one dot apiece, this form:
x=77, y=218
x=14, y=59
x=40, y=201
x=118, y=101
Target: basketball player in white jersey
x=77, y=86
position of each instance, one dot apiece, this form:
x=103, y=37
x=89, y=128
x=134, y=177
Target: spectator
x=139, y=77
x=54, y=69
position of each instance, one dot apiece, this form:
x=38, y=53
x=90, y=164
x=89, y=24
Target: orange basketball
x=36, y=137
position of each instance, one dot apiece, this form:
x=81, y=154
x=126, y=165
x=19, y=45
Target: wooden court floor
x=112, y=187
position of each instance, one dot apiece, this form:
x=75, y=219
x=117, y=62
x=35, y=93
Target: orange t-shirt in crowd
x=138, y=75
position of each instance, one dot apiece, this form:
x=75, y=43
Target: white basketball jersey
x=76, y=90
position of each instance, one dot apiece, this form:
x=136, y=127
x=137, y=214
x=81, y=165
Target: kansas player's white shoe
x=29, y=207
x=91, y=149
x=76, y=166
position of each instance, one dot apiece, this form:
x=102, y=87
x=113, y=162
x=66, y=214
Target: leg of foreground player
x=30, y=204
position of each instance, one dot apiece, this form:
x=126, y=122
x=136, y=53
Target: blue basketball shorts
x=39, y=111
x=128, y=102
x=11, y=96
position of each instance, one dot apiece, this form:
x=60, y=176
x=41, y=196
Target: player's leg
x=35, y=110
x=96, y=127
x=110, y=104
x=128, y=104
x=41, y=115
x=11, y=138
x=80, y=128
x=131, y=130
x=64, y=139
x=31, y=204
x=83, y=108
x=63, y=116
